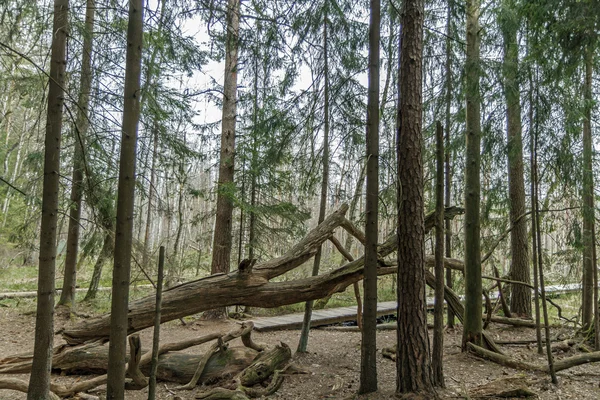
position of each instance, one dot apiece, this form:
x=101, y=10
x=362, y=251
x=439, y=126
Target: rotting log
x=511, y=387
x=266, y=364
x=249, y=289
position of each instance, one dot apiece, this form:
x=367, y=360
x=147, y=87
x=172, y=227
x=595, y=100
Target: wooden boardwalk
x=330, y=316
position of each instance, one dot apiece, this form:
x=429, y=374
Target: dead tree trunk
x=249, y=287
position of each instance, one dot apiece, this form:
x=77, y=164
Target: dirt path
x=334, y=360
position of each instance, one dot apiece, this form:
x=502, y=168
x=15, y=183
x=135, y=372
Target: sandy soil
x=334, y=360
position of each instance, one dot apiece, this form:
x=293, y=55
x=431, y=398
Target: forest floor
x=334, y=359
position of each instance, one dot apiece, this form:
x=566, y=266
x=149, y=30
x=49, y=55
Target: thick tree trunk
x=368, y=365
x=412, y=362
x=67, y=296
x=39, y=384
x=222, y=240
x=473, y=304
x=125, y=204
x=172, y=367
x=247, y=288
x=303, y=343
x=218, y=290
x=438, y=329
x=520, y=299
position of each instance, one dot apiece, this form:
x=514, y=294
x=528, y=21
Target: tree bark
x=151, y=193
x=39, y=384
x=438, y=330
x=587, y=300
x=368, y=364
x=412, y=360
x=302, y=344
x=67, y=296
x=218, y=290
x=520, y=299
x=448, y=171
x=103, y=257
x=473, y=304
x=222, y=239
x=125, y=204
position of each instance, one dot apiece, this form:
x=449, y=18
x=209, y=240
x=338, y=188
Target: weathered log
x=92, y=357
x=173, y=366
x=266, y=364
x=248, y=289
x=213, y=291
x=559, y=365
x=511, y=387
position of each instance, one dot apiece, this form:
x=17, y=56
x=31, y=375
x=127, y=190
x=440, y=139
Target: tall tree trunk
x=587, y=301
x=520, y=299
x=125, y=205
x=438, y=322
x=412, y=357
x=533, y=185
x=368, y=364
x=222, y=234
x=448, y=171
x=39, y=383
x=151, y=191
x=540, y=258
x=473, y=305
x=302, y=344
x=253, y=167
x=67, y=296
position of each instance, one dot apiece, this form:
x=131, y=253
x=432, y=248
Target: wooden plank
x=344, y=314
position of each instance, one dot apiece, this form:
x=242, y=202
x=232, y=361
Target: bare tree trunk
x=539, y=255
x=587, y=300
x=223, y=223
x=473, y=304
x=39, y=383
x=303, y=343
x=438, y=322
x=448, y=171
x=532, y=128
x=520, y=299
x=125, y=205
x=368, y=364
x=151, y=193
x=413, y=374
x=67, y=296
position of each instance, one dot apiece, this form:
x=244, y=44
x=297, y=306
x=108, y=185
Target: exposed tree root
x=19, y=385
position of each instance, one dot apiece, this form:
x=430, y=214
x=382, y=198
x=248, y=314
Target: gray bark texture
x=39, y=383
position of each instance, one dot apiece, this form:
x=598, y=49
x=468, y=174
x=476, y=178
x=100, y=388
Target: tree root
x=19, y=385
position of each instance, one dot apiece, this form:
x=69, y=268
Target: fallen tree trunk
x=559, y=365
x=247, y=287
